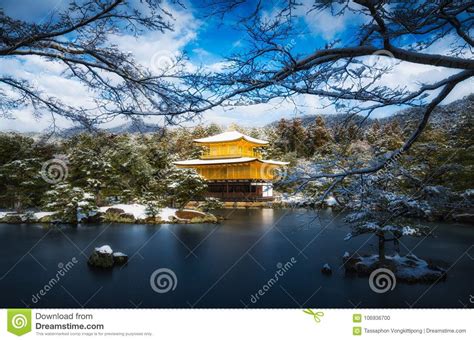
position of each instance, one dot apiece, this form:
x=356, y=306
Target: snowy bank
x=300, y=200
x=408, y=268
x=27, y=217
x=119, y=213
x=138, y=213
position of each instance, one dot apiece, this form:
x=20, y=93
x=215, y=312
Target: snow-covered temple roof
x=198, y=162
x=229, y=136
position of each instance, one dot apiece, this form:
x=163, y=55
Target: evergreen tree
x=71, y=204
x=280, y=139
x=297, y=138
x=22, y=183
x=289, y=136
x=317, y=136
x=373, y=134
x=21, y=159
x=392, y=136
x=90, y=164
x=185, y=185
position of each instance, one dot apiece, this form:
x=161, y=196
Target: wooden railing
x=207, y=155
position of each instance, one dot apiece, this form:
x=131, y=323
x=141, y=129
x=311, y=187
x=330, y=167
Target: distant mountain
x=450, y=117
x=133, y=127
x=331, y=120
x=447, y=116
x=337, y=119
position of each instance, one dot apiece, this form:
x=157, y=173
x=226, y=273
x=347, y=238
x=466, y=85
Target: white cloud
x=47, y=76
x=324, y=23
x=157, y=47
x=171, y=43
x=264, y=113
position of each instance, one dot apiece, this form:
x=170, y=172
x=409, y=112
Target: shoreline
x=122, y=214
x=189, y=215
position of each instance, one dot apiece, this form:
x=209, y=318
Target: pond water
x=223, y=265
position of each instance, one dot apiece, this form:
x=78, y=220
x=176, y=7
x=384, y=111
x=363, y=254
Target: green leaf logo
x=19, y=321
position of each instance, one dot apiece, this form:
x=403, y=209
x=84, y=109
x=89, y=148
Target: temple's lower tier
x=240, y=190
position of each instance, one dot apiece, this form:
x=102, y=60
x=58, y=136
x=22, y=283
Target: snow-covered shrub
x=211, y=204
x=185, y=185
x=153, y=204
x=71, y=204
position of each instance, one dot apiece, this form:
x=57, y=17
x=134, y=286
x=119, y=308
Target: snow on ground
x=302, y=200
x=411, y=266
x=407, y=267
x=3, y=214
x=39, y=215
x=139, y=211
x=293, y=199
x=166, y=212
x=331, y=201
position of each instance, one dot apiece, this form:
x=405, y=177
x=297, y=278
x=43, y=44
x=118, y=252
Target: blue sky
x=207, y=41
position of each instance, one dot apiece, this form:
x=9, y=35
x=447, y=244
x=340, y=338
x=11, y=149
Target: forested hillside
x=434, y=179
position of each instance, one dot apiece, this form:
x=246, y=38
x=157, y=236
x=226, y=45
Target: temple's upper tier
x=232, y=156
x=231, y=136
x=231, y=144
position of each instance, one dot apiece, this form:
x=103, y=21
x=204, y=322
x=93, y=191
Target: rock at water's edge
x=114, y=210
x=102, y=257
x=326, y=269
x=467, y=218
x=120, y=258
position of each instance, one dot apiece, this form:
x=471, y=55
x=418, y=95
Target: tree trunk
x=381, y=236
x=396, y=244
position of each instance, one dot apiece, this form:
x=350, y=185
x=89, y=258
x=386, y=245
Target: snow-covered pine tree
x=89, y=164
x=210, y=204
x=317, y=136
x=71, y=204
x=185, y=185
x=22, y=183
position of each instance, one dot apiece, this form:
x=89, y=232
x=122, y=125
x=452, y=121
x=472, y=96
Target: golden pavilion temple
x=234, y=168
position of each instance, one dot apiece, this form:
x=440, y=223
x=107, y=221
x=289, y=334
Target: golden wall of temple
x=252, y=170
x=229, y=150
